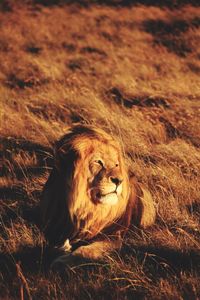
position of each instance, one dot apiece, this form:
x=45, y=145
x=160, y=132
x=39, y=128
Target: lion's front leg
x=99, y=250
x=64, y=258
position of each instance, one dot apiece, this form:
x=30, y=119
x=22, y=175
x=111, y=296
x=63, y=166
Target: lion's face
x=105, y=175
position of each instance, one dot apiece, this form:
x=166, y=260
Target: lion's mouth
x=109, y=198
x=99, y=195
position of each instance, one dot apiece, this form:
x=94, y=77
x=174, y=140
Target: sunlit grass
x=133, y=71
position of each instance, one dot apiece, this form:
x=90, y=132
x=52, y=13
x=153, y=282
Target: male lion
x=89, y=200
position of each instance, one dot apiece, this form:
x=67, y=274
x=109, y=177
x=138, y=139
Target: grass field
x=133, y=69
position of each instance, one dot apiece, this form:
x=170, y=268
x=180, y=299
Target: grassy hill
x=133, y=69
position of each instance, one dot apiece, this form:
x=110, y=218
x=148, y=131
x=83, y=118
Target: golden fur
x=89, y=200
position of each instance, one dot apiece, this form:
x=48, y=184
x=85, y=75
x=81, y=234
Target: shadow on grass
x=12, y=146
x=160, y=260
x=142, y=101
x=23, y=212
x=194, y=209
x=171, y=34
x=157, y=261
x=17, y=200
x=38, y=260
x=32, y=260
x=6, y=5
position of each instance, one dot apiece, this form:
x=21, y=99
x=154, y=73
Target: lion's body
x=89, y=198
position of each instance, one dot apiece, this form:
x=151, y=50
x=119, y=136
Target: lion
x=89, y=200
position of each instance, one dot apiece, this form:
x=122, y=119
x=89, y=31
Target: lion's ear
x=144, y=212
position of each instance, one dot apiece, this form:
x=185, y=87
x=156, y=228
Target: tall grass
x=134, y=71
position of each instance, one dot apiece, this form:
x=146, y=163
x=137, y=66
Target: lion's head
x=98, y=172
x=88, y=189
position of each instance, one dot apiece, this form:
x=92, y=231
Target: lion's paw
x=66, y=261
x=61, y=262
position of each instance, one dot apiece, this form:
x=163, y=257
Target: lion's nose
x=116, y=180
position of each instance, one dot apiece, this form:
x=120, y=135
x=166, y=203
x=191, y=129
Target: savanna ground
x=133, y=69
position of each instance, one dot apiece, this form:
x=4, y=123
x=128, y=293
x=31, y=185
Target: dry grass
x=134, y=71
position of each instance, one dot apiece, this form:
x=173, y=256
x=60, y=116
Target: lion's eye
x=117, y=165
x=99, y=162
